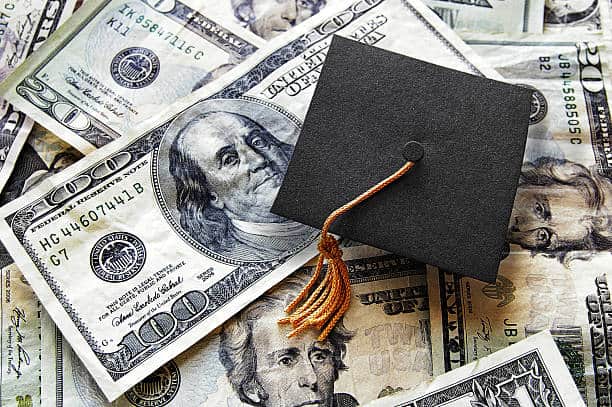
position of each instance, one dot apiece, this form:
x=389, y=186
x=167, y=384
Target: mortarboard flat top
x=452, y=209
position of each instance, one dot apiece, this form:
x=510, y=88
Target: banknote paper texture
x=527, y=374
x=384, y=340
x=474, y=319
x=120, y=61
x=562, y=205
x=266, y=18
x=570, y=108
x=24, y=26
x=575, y=17
x=21, y=344
x=269, y=18
x=554, y=277
x=491, y=16
x=133, y=225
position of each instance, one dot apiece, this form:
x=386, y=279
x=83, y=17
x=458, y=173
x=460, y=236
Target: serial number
x=86, y=221
x=4, y=17
x=155, y=28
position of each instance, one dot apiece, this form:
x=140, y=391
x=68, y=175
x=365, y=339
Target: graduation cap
x=454, y=143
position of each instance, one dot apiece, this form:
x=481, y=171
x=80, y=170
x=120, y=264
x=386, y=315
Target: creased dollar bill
x=575, y=18
x=562, y=205
x=24, y=26
x=142, y=248
x=42, y=156
x=491, y=16
x=471, y=319
x=266, y=18
x=528, y=374
x=118, y=62
x=381, y=346
x=561, y=225
x=20, y=349
x=269, y=18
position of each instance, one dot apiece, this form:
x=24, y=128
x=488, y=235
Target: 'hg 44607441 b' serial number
x=85, y=221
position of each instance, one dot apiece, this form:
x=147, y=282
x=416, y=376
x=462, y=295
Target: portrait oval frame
x=282, y=124
x=577, y=17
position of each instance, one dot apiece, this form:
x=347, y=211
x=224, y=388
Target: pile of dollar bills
x=143, y=142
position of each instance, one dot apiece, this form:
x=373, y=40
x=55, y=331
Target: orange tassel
x=331, y=298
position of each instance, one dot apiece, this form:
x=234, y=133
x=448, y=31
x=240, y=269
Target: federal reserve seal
x=117, y=257
x=539, y=105
x=158, y=389
x=135, y=67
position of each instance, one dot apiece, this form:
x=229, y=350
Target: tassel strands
x=323, y=307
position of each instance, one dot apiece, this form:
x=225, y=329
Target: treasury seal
x=135, y=67
x=158, y=389
x=117, y=257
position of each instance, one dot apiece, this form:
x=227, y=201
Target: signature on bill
x=18, y=317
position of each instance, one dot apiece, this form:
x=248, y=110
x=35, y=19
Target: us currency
x=491, y=16
x=43, y=155
x=24, y=26
x=471, y=319
x=169, y=257
x=266, y=18
x=20, y=350
x=381, y=346
x=576, y=18
x=529, y=373
x=560, y=229
x=269, y=18
x=567, y=163
x=118, y=62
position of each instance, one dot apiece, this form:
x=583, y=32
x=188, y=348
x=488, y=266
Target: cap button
x=413, y=151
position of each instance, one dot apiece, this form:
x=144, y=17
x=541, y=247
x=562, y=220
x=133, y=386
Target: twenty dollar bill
x=530, y=373
x=471, y=319
x=118, y=62
x=24, y=26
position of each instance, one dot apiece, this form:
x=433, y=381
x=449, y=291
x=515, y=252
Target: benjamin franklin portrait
x=265, y=368
x=226, y=161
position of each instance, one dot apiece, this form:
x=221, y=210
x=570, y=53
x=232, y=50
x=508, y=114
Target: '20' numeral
x=43, y=97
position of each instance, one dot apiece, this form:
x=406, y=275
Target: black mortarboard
x=452, y=209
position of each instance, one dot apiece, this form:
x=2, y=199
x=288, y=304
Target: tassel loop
x=328, y=247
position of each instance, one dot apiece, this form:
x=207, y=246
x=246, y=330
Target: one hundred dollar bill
x=140, y=249
x=24, y=26
x=471, y=319
x=528, y=374
x=491, y=16
x=20, y=350
x=118, y=62
x=382, y=346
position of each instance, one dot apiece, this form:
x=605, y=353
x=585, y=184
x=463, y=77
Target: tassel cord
x=331, y=298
